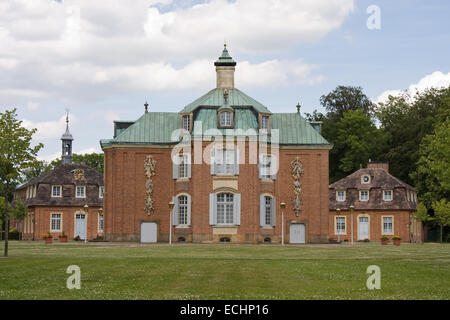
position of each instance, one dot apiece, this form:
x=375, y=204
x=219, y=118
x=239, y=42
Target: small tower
x=225, y=67
x=67, y=144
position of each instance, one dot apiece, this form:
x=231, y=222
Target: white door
x=149, y=231
x=80, y=226
x=363, y=228
x=297, y=233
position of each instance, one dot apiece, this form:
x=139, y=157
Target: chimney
x=225, y=67
x=378, y=165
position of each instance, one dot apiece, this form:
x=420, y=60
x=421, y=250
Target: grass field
x=132, y=271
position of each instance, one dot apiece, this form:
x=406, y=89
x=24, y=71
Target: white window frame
x=384, y=195
x=186, y=122
x=183, y=166
x=224, y=168
x=101, y=218
x=337, y=195
x=100, y=192
x=84, y=192
x=336, y=223
x=362, y=179
x=360, y=195
x=225, y=119
x=383, y=230
x=265, y=123
x=227, y=204
x=183, y=210
x=268, y=210
x=60, y=191
x=58, y=219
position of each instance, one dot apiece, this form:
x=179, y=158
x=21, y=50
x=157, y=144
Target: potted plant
x=384, y=240
x=48, y=238
x=396, y=240
x=62, y=237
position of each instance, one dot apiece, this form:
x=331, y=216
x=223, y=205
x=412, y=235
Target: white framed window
x=56, y=191
x=225, y=119
x=100, y=223
x=365, y=179
x=340, y=225
x=225, y=161
x=387, y=195
x=363, y=195
x=265, y=123
x=387, y=225
x=340, y=196
x=267, y=205
x=55, y=222
x=101, y=191
x=182, y=210
x=80, y=192
x=187, y=122
x=224, y=208
x=267, y=166
x=183, y=166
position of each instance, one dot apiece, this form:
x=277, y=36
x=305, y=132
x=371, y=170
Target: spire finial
x=146, y=106
x=298, y=107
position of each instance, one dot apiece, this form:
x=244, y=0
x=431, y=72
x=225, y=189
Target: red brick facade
x=125, y=193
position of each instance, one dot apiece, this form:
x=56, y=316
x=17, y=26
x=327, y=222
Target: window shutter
x=273, y=167
x=236, y=161
x=262, y=211
x=213, y=161
x=212, y=208
x=189, y=165
x=189, y=210
x=237, y=209
x=273, y=211
x=175, y=216
x=175, y=169
x=260, y=158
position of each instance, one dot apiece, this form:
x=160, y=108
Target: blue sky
x=102, y=62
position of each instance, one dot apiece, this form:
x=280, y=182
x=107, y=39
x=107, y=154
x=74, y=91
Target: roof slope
x=236, y=98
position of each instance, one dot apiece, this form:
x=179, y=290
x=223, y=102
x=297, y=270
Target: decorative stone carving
x=78, y=174
x=297, y=173
x=150, y=170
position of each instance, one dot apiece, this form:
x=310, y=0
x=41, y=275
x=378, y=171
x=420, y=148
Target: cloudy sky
x=102, y=59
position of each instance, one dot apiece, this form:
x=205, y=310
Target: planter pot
x=62, y=239
x=384, y=242
x=396, y=242
x=48, y=240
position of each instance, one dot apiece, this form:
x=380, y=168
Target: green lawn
x=131, y=271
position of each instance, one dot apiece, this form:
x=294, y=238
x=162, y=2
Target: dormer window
x=225, y=119
x=265, y=123
x=186, y=122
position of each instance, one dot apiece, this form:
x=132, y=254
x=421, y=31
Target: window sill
x=184, y=226
x=182, y=180
x=267, y=180
x=225, y=177
x=267, y=227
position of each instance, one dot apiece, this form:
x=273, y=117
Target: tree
x=16, y=154
x=357, y=140
x=92, y=160
x=345, y=98
x=432, y=176
x=406, y=121
x=442, y=213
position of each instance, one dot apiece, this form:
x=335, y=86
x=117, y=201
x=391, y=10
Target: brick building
x=227, y=163
x=382, y=205
x=67, y=199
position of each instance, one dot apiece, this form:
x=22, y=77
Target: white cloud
x=48, y=129
x=85, y=49
x=436, y=80
x=89, y=150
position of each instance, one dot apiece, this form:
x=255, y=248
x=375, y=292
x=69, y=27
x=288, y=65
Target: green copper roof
x=157, y=128
x=225, y=59
x=295, y=130
x=236, y=98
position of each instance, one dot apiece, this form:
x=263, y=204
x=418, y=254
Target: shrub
x=14, y=234
x=62, y=235
x=396, y=238
x=77, y=238
x=384, y=238
x=48, y=236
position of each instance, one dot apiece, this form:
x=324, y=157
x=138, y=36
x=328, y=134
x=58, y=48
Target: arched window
x=225, y=208
x=182, y=210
